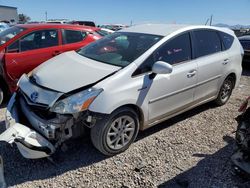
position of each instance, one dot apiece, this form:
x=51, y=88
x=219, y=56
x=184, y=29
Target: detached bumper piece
x=30, y=143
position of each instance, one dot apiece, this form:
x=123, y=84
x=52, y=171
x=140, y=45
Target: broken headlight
x=77, y=102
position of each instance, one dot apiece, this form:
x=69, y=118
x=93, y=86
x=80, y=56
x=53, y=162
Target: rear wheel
x=225, y=91
x=116, y=132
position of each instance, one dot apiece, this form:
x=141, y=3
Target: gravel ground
x=190, y=150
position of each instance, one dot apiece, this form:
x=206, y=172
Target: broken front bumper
x=29, y=142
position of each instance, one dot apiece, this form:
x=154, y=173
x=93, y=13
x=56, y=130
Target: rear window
x=206, y=42
x=227, y=40
x=72, y=36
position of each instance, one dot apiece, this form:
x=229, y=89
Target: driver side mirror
x=161, y=67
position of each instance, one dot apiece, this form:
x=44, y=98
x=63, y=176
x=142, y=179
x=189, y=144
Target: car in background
x=87, y=23
x=114, y=27
x=24, y=47
x=3, y=26
x=128, y=81
x=56, y=21
x=104, y=31
x=245, y=42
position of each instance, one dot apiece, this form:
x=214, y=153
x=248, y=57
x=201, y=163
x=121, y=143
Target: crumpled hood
x=70, y=71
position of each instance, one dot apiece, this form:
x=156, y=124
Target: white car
x=128, y=81
x=106, y=31
x=3, y=26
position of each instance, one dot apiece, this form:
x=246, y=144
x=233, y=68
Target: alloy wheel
x=120, y=132
x=226, y=90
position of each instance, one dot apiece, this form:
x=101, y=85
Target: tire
x=1, y=96
x=225, y=91
x=115, y=132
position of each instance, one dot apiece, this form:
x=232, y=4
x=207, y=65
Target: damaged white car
x=123, y=83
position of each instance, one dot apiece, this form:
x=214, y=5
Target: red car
x=24, y=47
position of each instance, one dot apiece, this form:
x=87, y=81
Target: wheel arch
x=232, y=75
x=138, y=111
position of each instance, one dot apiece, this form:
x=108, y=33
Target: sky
x=230, y=12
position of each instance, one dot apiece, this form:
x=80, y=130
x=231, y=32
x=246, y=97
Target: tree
x=23, y=18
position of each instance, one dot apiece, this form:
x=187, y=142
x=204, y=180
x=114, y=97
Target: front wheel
x=1, y=95
x=115, y=133
x=225, y=91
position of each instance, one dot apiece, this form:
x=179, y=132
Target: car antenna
x=207, y=21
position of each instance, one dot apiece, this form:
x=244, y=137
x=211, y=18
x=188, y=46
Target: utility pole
x=211, y=20
x=46, y=16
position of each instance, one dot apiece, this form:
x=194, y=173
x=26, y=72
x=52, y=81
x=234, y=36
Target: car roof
x=245, y=37
x=166, y=29
x=48, y=25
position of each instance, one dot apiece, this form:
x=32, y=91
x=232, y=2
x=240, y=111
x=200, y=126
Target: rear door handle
x=226, y=61
x=191, y=73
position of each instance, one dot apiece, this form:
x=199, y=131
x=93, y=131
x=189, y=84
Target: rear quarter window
x=227, y=40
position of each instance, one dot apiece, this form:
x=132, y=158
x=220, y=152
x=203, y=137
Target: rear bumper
x=30, y=143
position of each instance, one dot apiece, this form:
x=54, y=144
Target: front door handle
x=191, y=73
x=226, y=61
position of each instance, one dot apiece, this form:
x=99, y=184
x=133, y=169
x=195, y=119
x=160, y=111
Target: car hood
x=70, y=71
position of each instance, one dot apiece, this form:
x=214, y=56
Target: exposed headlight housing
x=77, y=102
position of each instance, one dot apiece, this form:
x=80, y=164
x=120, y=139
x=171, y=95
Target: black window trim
x=194, y=48
x=80, y=30
x=35, y=30
x=169, y=40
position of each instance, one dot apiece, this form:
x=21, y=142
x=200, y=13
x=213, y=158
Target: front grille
x=31, y=103
x=40, y=110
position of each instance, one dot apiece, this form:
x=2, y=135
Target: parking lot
x=190, y=150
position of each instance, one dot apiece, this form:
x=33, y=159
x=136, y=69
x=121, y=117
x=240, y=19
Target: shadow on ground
x=213, y=170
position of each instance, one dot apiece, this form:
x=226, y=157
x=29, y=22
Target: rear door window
x=73, y=36
x=206, y=42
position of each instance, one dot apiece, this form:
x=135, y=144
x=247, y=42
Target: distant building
x=8, y=14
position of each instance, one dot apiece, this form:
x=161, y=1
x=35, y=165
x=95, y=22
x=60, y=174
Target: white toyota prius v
x=128, y=81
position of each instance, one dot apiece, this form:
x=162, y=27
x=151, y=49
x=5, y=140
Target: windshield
x=119, y=49
x=9, y=33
